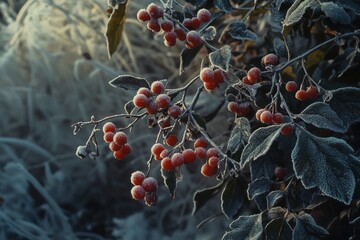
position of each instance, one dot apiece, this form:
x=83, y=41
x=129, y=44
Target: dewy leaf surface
x=336, y=13
x=245, y=228
x=307, y=229
x=321, y=115
x=324, y=163
x=221, y=58
x=129, y=82
x=259, y=143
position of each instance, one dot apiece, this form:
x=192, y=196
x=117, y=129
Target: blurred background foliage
x=54, y=71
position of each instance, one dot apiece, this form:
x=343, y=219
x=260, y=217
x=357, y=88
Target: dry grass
x=45, y=85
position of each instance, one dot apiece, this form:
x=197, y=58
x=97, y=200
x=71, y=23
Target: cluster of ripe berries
x=254, y=74
x=266, y=117
x=241, y=109
x=170, y=161
x=144, y=188
x=311, y=92
x=211, y=78
x=154, y=16
x=117, y=141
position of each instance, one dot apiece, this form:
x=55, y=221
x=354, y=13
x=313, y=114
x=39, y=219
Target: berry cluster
x=144, y=188
x=117, y=141
x=154, y=16
x=209, y=168
x=241, y=109
x=311, y=92
x=266, y=117
x=253, y=76
x=211, y=78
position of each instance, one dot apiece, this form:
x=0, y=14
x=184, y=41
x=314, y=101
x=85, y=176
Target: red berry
x=149, y=184
x=291, y=86
x=160, y=13
x=164, y=153
x=204, y=15
x=266, y=117
x=254, y=74
x=157, y=148
x=166, y=164
x=278, y=118
x=279, y=172
x=174, y=111
x=195, y=23
x=109, y=127
x=108, y=137
x=243, y=109
x=119, y=155
x=189, y=156
x=301, y=95
x=193, y=39
x=212, y=152
x=287, y=129
x=143, y=15
x=233, y=107
x=114, y=147
x=213, y=162
x=140, y=100
x=181, y=34
x=246, y=81
x=200, y=142
x=218, y=76
x=171, y=140
x=126, y=149
x=187, y=23
x=270, y=59
x=164, y=123
x=167, y=25
x=258, y=113
x=210, y=85
x=177, y=159
x=153, y=9
x=170, y=39
x=157, y=87
x=312, y=92
x=138, y=192
x=120, y=138
x=151, y=108
x=153, y=25
x=207, y=75
x=137, y=178
x=200, y=152
x=207, y=170
x=145, y=91
x=157, y=157
x=163, y=101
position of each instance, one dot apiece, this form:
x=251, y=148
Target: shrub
x=284, y=70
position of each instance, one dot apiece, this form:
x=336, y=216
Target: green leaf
x=346, y=103
x=129, y=82
x=221, y=58
x=223, y=5
x=336, y=13
x=245, y=228
x=259, y=143
x=321, y=115
x=209, y=33
x=201, y=197
x=232, y=197
x=186, y=57
x=259, y=186
x=262, y=167
x=274, y=197
x=353, y=6
x=296, y=12
x=115, y=27
x=239, y=31
x=278, y=229
x=171, y=178
x=307, y=229
x=324, y=163
x=239, y=136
